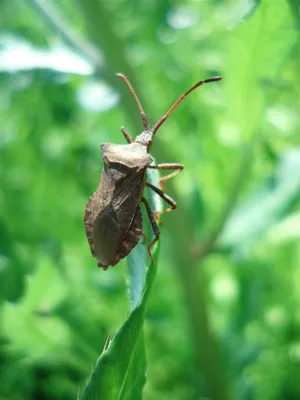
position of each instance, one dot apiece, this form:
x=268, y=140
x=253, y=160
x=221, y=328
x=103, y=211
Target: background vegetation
x=223, y=317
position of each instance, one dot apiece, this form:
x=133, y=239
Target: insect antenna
x=162, y=120
x=143, y=115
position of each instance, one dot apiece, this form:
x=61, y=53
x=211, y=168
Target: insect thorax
x=133, y=155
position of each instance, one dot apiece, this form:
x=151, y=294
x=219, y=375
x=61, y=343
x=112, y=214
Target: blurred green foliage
x=223, y=318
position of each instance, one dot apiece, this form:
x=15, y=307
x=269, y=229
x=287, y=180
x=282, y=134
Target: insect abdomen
x=132, y=237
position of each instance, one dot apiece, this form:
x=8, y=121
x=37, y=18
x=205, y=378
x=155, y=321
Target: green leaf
x=34, y=316
x=113, y=377
x=11, y=271
x=251, y=8
x=256, y=51
x=267, y=205
x=136, y=270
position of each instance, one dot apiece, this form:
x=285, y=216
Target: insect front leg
x=128, y=137
x=154, y=225
x=177, y=167
x=164, y=196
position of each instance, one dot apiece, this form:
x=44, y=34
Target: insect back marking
x=113, y=219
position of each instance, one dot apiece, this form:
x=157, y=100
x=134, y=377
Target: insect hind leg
x=155, y=228
x=165, y=197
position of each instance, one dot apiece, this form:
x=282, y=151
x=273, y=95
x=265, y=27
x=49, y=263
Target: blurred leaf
x=241, y=11
x=11, y=271
x=43, y=336
x=181, y=18
x=41, y=331
x=96, y=96
x=285, y=231
x=256, y=50
x=251, y=7
x=197, y=209
x=19, y=55
x=295, y=7
x=268, y=204
x=45, y=289
x=11, y=279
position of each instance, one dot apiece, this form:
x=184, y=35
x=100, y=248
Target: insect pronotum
x=113, y=219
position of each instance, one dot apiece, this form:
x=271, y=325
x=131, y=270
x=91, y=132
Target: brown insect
x=113, y=219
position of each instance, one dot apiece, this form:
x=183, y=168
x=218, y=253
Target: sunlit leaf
x=20, y=55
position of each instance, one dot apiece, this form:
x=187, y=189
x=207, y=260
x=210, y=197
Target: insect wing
x=106, y=236
x=132, y=237
x=111, y=211
x=127, y=200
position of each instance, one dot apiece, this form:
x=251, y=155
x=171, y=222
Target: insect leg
x=164, y=196
x=154, y=227
x=177, y=167
x=128, y=137
x=144, y=237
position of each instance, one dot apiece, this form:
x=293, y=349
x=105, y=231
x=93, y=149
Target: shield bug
x=113, y=219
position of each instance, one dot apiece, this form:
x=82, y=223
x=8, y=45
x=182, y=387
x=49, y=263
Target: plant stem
x=200, y=251
x=70, y=36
